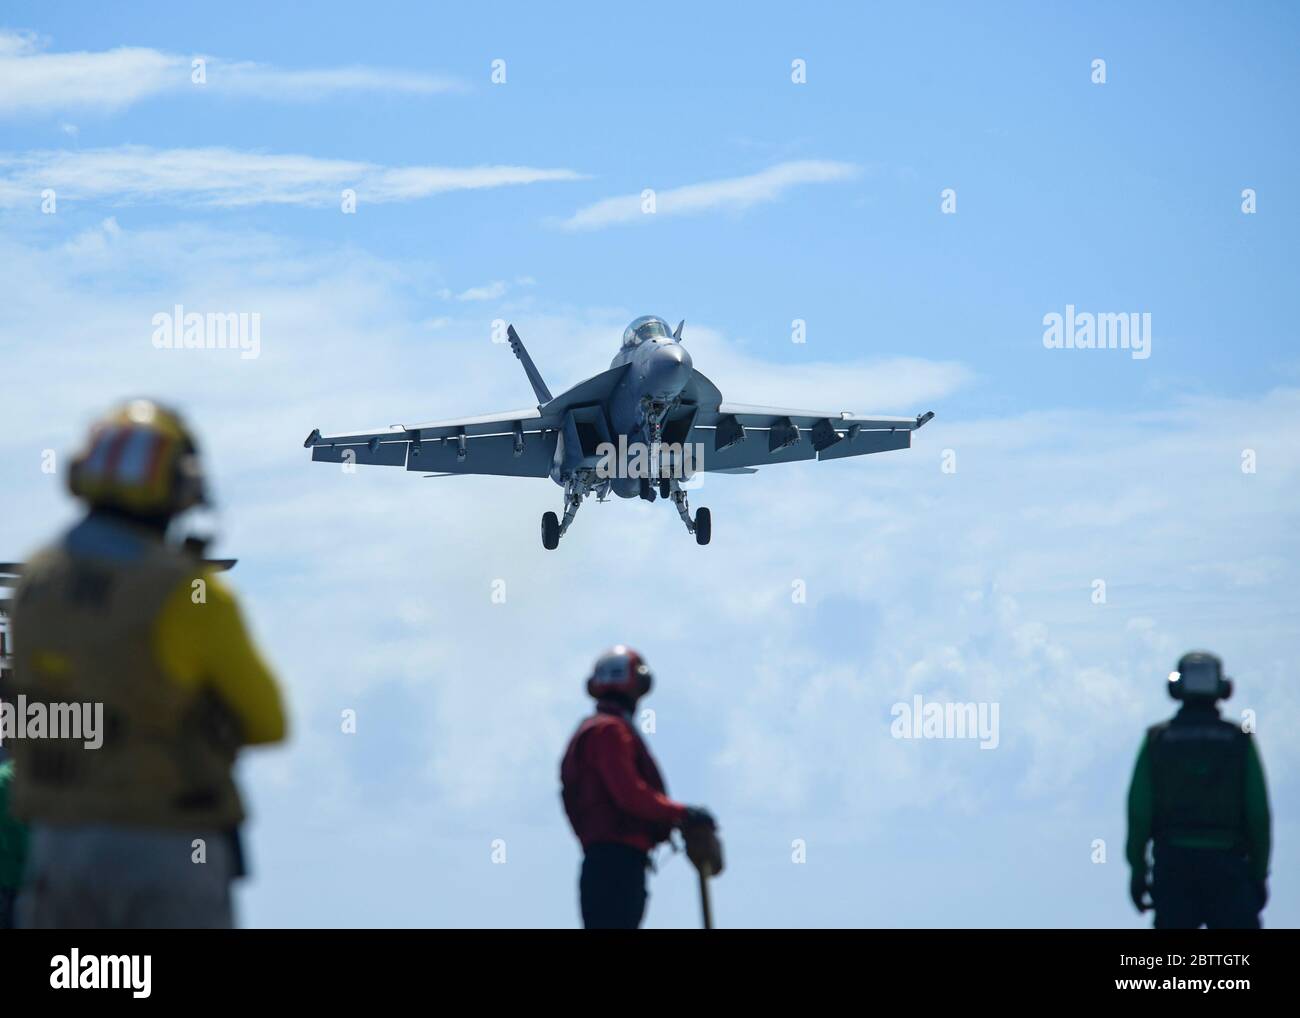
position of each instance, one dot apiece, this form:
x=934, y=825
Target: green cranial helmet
x=1199, y=677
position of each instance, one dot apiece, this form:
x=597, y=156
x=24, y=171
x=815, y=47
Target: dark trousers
x=1210, y=887
x=612, y=887
x=8, y=895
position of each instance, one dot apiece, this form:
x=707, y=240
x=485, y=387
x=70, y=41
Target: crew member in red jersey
x=615, y=796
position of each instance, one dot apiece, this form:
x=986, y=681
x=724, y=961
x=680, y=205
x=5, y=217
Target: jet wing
x=517, y=443
x=514, y=443
x=739, y=435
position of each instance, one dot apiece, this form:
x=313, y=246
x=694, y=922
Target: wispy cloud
x=735, y=193
x=263, y=81
x=33, y=80
x=494, y=290
x=489, y=291
x=227, y=177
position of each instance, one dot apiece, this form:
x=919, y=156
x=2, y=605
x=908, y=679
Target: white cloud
x=244, y=78
x=228, y=177
x=491, y=291
x=494, y=290
x=95, y=242
x=404, y=183
x=33, y=80
x=36, y=82
x=488, y=291
x=734, y=193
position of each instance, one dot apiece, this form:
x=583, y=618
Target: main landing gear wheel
x=551, y=531
x=703, y=525
x=665, y=488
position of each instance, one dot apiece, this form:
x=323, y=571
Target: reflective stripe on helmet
x=137, y=459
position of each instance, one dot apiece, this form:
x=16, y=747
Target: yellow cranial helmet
x=141, y=459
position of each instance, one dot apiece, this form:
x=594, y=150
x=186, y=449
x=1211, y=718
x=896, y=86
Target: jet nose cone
x=668, y=370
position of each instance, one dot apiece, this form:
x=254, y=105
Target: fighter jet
x=641, y=429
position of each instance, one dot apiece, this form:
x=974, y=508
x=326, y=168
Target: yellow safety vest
x=158, y=641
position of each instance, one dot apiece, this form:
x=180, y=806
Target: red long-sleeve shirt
x=613, y=791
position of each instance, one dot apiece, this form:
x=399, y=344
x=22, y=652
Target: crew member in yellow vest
x=142, y=829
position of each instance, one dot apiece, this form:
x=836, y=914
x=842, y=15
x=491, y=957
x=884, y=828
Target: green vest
x=13, y=836
x=1198, y=773
x=84, y=632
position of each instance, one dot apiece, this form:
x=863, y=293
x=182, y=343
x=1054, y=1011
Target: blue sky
x=820, y=201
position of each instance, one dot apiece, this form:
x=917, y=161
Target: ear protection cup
x=189, y=486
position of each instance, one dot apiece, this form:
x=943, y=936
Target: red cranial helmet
x=620, y=672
